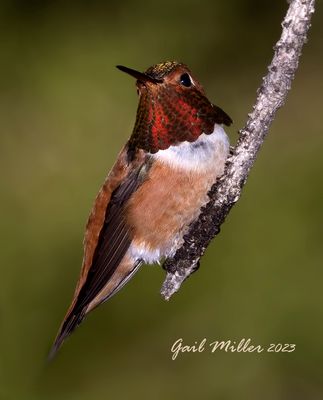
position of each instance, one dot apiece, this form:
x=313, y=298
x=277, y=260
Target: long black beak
x=140, y=76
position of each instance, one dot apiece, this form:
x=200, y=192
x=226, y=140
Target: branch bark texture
x=227, y=190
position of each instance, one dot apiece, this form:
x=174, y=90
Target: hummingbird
x=156, y=188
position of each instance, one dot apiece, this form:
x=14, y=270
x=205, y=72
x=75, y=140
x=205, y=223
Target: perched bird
x=155, y=189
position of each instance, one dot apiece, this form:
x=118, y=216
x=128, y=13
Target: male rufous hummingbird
x=155, y=189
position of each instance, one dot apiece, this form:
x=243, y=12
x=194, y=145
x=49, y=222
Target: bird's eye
x=185, y=80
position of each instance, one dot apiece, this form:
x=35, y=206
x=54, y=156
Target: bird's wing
x=105, y=226
x=107, y=237
x=113, y=241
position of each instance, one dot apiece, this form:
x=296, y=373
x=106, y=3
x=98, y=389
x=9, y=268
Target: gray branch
x=227, y=190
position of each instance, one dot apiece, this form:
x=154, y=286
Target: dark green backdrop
x=65, y=111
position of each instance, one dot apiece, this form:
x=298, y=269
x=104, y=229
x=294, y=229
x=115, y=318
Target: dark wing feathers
x=113, y=242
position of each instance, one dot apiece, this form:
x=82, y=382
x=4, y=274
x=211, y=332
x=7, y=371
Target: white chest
x=207, y=152
x=178, y=185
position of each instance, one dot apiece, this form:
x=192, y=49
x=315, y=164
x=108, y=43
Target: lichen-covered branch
x=227, y=190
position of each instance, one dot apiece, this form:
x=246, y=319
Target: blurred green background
x=65, y=112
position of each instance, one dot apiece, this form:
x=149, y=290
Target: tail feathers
x=71, y=322
x=125, y=271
